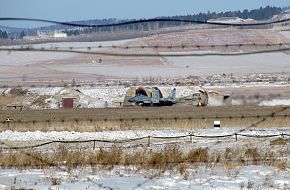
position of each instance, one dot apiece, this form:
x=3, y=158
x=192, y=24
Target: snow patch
x=275, y=102
x=118, y=135
x=230, y=20
x=51, y=103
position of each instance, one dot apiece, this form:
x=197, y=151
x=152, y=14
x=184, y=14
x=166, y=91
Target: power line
x=142, y=21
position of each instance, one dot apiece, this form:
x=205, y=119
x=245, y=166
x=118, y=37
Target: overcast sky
x=71, y=10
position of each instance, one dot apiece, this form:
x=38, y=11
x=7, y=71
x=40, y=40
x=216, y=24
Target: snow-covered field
x=286, y=33
x=275, y=102
x=246, y=177
x=123, y=135
x=130, y=177
x=159, y=138
x=195, y=138
x=238, y=65
x=56, y=67
x=185, y=66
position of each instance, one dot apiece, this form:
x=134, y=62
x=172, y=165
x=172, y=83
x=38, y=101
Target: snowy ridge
x=282, y=16
x=230, y=20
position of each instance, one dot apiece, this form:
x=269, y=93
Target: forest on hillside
x=263, y=13
x=256, y=14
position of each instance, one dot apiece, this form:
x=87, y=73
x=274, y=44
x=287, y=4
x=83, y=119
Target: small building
x=59, y=35
x=67, y=98
x=67, y=102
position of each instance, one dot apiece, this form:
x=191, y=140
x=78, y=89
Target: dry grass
x=143, y=118
x=170, y=158
x=5, y=100
x=138, y=124
x=280, y=141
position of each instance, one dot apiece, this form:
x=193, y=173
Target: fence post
x=190, y=138
x=236, y=135
x=94, y=145
x=8, y=122
x=149, y=138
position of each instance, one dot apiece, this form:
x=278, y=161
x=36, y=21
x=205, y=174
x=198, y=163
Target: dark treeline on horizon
x=3, y=34
x=256, y=14
x=263, y=13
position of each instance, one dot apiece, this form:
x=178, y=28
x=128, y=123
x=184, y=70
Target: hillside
x=255, y=14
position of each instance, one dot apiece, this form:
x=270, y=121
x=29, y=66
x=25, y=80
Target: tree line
x=257, y=14
x=263, y=13
x=3, y=34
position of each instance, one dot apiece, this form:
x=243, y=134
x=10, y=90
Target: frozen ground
x=238, y=65
x=121, y=177
x=17, y=67
x=121, y=135
x=206, y=138
x=275, y=102
x=185, y=66
x=286, y=33
x=63, y=66
x=247, y=177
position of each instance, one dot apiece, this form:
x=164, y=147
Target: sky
x=73, y=10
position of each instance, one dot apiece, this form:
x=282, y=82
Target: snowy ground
x=185, y=66
x=247, y=177
x=238, y=65
x=286, y=33
x=37, y=67
x=139, y=138
x=121, y=135
x=212, y=177
x=275, y=102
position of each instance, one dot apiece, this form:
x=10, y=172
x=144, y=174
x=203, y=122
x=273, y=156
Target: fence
x=148, y=139
x=170, y=54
